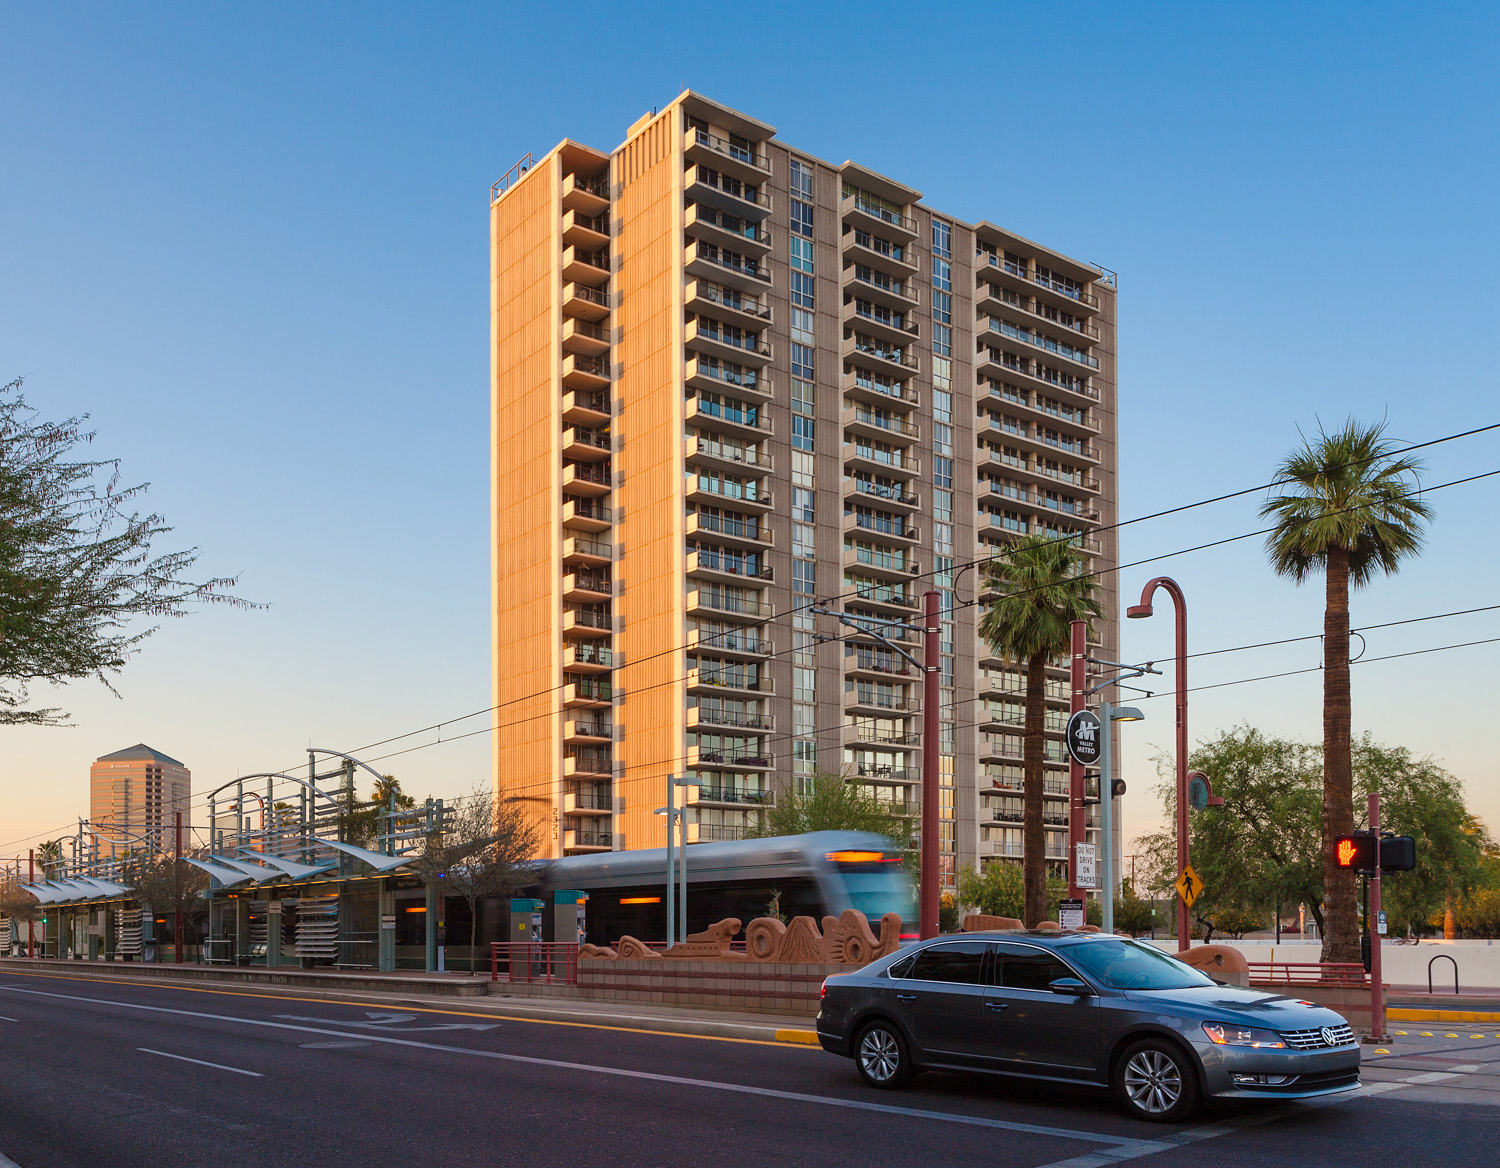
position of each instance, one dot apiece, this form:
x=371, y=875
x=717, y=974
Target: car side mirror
x=1070, y=985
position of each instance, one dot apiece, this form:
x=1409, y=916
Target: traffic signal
x=1398, y=853
x=1356, y=851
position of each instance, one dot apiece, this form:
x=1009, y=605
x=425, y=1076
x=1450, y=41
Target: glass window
x=942, y=405
x=800, y=178
x=802, y=289
x=942, y=472
x=802, y=360
x=802, y=326
x=1020, y=967
x=802, y=255
x=802, y=397
x=1125, y=965
x=804, y=577
x=942, y=275
x=803, y=432
x=942, y=307
x=956, y=961
x=803, y=503
x=942, y=340
x=942, y=505
x=802, y=218
x=942, y=238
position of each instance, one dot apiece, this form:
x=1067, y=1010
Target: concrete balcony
x=586, y=588
x=588, y=409
x=707, y=336
x=584, y=231
x=873, y=461
x=727, y=229
x=863, y=733
x=879, y=705
x=582, y=842
x=755, y=536
x=733, y=379
x=590, y=695
x=746, y=163
x=590, y=196
x=860, y=212
x=751, y=422
x=700, y=451
x=577, y=803
x=868, y=527
x=738, y=723
x=585, y=266
x=590, y=479
x=584, y=302
x=700, y=489
x=993, y=361
x=745, y=644
x=707, y=184
x=584, y=336
x=714, y=566
x=587, y=553
x=714, y=681
x=990, y=267
x=704, y=297
x=880, y=357
x=706, y=261
x=703, y=602
x=881, y=323
x=592, y=657
x=860, y=562
x=880, y=390
x=587, y=624
x=586, y=445
x=866, y=247
x=883, y=427
x=879, y=288
x=583, y=372
x=587, y=731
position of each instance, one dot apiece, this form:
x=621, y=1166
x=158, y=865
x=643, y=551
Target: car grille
x=1341, y=1035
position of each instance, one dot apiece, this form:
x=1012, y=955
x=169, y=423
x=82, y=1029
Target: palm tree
x=1040, y=589
x=1348, y=508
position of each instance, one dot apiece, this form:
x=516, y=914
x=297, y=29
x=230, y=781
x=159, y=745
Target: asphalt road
x=100, y=1073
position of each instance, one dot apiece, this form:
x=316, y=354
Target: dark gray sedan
x=1082, y=1008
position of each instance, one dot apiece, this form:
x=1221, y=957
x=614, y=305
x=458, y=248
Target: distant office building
x=134, y=794
x=733, y=382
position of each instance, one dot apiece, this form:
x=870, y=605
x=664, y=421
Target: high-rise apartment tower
x=134, y=795
x=733, y=382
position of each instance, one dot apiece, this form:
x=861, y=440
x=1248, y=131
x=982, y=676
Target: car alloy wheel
x=882, y=1057
x=1153, y=1081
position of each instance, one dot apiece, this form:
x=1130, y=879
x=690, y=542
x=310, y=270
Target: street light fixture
x=1136, y=612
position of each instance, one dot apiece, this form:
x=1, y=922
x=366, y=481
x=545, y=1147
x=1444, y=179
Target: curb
x=542, y=1011
x=1400, y=1014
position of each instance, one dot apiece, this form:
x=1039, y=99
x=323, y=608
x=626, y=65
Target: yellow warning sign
x=1189, y=886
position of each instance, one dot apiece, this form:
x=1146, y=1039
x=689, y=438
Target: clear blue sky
x=250, y=240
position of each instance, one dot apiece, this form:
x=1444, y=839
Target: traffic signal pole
x=1077, y=700
x=931, y=880
x=30, y=879
x=1372, y=918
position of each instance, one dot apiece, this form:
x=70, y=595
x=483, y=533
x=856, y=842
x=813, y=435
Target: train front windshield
x=876, y=883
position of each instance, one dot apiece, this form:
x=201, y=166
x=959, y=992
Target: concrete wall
x=1401, y=965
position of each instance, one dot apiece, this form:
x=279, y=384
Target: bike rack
x=1443, y=956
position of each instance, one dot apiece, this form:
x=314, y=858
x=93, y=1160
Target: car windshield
x=1127, y=965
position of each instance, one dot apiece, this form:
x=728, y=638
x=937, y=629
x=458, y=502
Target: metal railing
x=1307, y=973
x=983, y=257
x=885, y=215
x=548, y=962
x=730, y=150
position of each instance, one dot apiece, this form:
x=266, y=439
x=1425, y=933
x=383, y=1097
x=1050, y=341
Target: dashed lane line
x=1140, y=1147
x=200, y=1062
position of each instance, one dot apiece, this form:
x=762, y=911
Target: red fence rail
x=545, y=962
x=1307, y=973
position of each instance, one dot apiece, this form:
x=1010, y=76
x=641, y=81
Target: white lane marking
x=331, y=1045
x=6, y=1162
x=184, y=1058
x=1195, y=1135
x=1142, y=1147
x=3, y=1018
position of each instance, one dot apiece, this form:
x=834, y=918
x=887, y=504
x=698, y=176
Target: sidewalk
x=433, y=991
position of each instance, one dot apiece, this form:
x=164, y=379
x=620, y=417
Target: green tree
x=1038, y=587
x=1263, y=847
x=78, y=569
x=832, y=803
x=1348, y=508
x=998, y=889
x=481, y=851
x=1132, y=913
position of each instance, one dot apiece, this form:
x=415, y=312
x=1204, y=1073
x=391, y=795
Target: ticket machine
x=568, y=924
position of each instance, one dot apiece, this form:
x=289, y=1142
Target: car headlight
x=1228, y=1034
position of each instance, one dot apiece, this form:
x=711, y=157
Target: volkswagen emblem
x=1330, y=1036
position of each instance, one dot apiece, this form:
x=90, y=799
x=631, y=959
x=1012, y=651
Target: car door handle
x=997, y=1007
x=906, y=997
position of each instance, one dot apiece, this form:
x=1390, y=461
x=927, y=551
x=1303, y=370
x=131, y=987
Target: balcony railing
x=888, y=386
x=893, y=494
x=741, y=605
x=885, y=526
x=884, y=214
x=749, y=455
x=893, y=353
x=984, y=257
x=884, y=282
x=719, y=832
x=736, y=375
x=582, y=729
x=731, y=565
x=728, y=298
x=734, y=719
x=731, y=261
x=891, y=422
x=730, y=794
x=730, y=150
x=739, y=528
x=589, y=653
x=1027, y=337
x=590, y=839
x=733, y=642
x=888, y=774
x=590, y=618
x=588, y=509
x=590, y=472
x=585, y=801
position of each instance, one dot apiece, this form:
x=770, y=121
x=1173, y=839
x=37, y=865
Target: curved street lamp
x=1136, y=612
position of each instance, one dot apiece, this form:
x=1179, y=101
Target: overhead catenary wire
x=818, y=601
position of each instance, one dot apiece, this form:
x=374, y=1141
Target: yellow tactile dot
x=1450, y=1035
x=1381, y=1050
x=1400, y=1034
x=1426, y=1034
x=1476, y=1036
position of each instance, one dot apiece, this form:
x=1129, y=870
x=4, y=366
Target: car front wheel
x=1158, y=1082
x=882, y=1056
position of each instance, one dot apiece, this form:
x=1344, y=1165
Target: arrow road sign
x=1189, y=886
x=375, y=1020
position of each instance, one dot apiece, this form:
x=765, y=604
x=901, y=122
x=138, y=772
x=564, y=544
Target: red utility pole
x=1078, y=700
x=30, y=879
x=1143, y=609
x=929, y=897
x=177, y=883
x=1377, y=991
